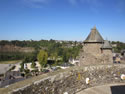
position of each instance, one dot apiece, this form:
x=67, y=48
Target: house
x=114, y=45
x=65, y=65
x=27, y=66
x=17, y=67
x=74, y=61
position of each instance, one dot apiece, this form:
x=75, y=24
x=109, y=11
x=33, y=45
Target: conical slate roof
x=106, y=45
x=94, y=36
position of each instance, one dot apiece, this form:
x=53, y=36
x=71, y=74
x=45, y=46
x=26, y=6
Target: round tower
x=107, y=52
x=106, y=48
x=96, y=50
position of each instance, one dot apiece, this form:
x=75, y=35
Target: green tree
x=66, y=55
x=42, y=58
x=33, y=65
x=22, y=67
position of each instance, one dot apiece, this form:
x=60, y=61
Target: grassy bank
x=10, y=62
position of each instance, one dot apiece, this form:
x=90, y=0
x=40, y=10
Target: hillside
x=12, y=48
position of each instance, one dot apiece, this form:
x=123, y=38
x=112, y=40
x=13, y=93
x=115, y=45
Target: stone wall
x=107, y=56
x=71, y=80
x=93, y=48
x=107, y=51
x=92, y=54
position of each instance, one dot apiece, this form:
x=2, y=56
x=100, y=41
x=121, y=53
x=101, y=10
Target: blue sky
x=61, y=19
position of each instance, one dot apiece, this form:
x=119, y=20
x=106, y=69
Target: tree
x=66, y=55
x=42, y=58
x=22, y=67
x=33, y=65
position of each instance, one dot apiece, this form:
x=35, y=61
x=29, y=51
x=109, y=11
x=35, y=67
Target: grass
x=10, y=62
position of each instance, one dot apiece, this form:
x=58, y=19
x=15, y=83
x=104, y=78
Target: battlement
x=71, y=80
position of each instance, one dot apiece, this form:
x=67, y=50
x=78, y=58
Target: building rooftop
x=106, y=45
x=94, y=36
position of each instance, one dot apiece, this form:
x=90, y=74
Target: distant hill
x=20, y=50
x=12, y=48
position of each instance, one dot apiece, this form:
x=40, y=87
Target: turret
x=106, y=47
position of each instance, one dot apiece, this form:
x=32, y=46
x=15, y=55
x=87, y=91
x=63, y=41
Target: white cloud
x=81, y=1
x=73, y=2
x=92, y=5
x=36, y=3
x=41, y=3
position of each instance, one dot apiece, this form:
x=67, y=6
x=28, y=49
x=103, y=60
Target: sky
x=61, y=19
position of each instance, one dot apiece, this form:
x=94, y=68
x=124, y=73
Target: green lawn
x=10, y=62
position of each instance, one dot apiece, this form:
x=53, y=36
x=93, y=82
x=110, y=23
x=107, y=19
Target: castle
x=96, y=50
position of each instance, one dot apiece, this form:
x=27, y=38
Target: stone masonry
x=96, y=50
x=71, y=80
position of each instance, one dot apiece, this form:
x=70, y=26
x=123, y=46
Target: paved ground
x=105, y=89
x=5, y=67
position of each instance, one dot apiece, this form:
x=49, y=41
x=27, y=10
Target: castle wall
x=107, y=55
x=93, y=48
x=93, y=55
x=71, y=80
x=107, y=51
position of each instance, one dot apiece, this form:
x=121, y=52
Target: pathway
x=105, y=89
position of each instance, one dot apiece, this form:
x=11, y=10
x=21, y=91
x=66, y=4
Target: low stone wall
x=71, y=80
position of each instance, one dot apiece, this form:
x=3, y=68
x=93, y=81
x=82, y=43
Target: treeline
x=37, y=44
x=55, y=50
x=14, y=56
x=119, y=46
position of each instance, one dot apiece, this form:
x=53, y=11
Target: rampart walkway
x=105, y=89
x=71, y=80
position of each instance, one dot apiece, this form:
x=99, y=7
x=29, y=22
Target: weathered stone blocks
x=71, y=80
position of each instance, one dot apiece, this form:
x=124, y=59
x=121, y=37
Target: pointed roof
x=94, y=36
x=106, y=45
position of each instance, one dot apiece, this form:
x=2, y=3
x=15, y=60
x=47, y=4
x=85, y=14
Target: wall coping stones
x=60, y=75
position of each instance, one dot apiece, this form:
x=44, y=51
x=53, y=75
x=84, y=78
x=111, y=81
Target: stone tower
x=96, y=50
x=106, y=50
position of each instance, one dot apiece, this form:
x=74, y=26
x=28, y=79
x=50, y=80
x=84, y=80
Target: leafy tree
x=33, y=65
x=66, y=55
x=22, y=67
x=42, y=58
